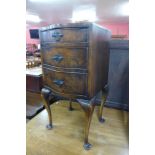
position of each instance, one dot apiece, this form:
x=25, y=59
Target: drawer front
x=74, y=35
x=65, y=57
x=69, y=83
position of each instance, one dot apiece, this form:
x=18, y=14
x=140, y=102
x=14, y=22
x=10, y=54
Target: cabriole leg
x=101, y=119
x=70, y=108
x=88, y=109
x=45, y=93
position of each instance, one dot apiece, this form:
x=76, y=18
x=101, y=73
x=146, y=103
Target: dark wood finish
x=70, y=108
x=118, y=79
x=75, y=65
x=45, y=95
x=98, y=60
x=65, y=35
x=88, y=107
x=119, y=37
x=104, y=96
x=67, y=57
x=33, y=104
x=71, y=83
x=34, y=83
x=32, y=111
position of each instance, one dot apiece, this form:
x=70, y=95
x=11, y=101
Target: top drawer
x=65, y=35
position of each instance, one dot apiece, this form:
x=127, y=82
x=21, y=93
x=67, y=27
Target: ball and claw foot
x=49, y=126
x=87, y=146
x=101, y=120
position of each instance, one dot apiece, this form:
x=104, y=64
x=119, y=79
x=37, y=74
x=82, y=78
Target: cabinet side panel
x=98, y=58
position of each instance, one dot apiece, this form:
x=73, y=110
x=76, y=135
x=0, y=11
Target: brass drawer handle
x=58, y=82
x=57, y=35
x=57, y=58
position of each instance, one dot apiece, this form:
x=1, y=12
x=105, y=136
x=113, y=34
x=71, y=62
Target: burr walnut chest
x=75, y=61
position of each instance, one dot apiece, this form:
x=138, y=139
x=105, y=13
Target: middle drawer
x=67, y=57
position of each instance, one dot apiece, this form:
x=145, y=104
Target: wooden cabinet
x=34, y=80
x=118, y=78
x=75, y=60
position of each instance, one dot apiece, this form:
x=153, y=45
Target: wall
x=118, y=28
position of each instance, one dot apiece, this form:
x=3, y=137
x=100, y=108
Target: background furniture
x=32, y=62
x=118, y=77
x=31, y=47
x=75, y=60
x=119, y=37
x=34, y=80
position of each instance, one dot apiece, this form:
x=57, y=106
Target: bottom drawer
x=67, y=83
